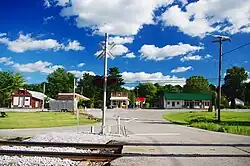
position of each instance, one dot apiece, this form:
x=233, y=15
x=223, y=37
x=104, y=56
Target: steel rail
x=61, y=144
x=185, y=144
x=104, y=157
x=110, y=146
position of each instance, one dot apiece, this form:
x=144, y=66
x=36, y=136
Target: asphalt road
x=149, y=126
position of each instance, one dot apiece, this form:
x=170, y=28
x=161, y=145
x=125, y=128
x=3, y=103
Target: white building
x=119, y=100
x=187, y=100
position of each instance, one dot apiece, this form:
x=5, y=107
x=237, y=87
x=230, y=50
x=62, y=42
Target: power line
x=236, y=48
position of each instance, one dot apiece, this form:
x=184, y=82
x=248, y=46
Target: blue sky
x=162, y=41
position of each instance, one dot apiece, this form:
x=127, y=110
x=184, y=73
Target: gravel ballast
x=55, y=137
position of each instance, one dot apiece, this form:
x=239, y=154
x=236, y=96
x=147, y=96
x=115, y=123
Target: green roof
x=187, y=96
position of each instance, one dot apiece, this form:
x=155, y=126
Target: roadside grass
x=17, y=120
x=231, y=122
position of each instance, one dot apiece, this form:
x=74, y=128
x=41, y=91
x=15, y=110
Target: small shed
x=27, y=99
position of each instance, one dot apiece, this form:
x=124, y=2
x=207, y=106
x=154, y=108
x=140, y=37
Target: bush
x=222, y=106
x=241, y=107
x=210, y=109
x=147, y=105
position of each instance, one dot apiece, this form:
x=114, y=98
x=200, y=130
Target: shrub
x=241, y=107
x=147, y=105
x=210, y=109
x=222, y=106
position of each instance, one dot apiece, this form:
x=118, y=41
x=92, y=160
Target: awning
x=119, y=98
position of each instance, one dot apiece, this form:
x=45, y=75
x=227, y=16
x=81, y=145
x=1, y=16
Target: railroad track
x=100, y=152
x=107, y=152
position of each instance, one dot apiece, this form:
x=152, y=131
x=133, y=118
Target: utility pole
x=105, y=54
x=43, y=96
x=220, y=39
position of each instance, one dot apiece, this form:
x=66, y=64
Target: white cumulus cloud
x=39, y=66
x=27, y=43
x=46, y=3
x=158, y=77
x=81, y=64
x=79, y=74
x=208, y=56
x=119, y=17
x=73, y=45
x=181, y=69
x=3, y=34
x=151, y=52
x=191, y=57
x=203, y=17
x=130, y=55
x=6, y=60
x=121, y=40
x=128, y=87
x=46, y=19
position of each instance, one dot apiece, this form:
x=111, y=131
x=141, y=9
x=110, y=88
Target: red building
x=140, y=101
x=27, y=99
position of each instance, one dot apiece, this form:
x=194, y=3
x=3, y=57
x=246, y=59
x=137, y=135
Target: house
x=237, y=102
x=187, y=100
x=140, y=101
x=27, y=99
x=119, y=100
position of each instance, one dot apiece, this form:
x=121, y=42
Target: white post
x=105, y=84
x=119, y=125
x=92, y=129
x=43, y=96
x=74, y=103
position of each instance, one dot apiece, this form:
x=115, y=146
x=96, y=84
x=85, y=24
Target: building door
x=173, y=104
x=21, y=99
x=37, y=104
x=15, y=101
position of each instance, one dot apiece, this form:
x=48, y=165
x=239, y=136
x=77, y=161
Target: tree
x=34, y=87
x=87, y=88
x=9, y=82
x=59, y=81
x=171, y=88
x=131, y=96
x=234, y=83
x=247, y=93
x=114, y=72
x=147, y=90
x=196, y=84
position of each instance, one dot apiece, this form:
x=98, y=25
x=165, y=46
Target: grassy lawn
x=231, y=122
x=16, y=120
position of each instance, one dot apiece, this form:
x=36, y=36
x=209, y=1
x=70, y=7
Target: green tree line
x=235, y=86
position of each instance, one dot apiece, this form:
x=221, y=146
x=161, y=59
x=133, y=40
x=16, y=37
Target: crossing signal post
x=106, y=47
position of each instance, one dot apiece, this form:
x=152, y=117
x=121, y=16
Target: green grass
x=17, y=120
x=231, y=122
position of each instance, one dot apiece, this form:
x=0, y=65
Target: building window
x=178, y=102
x=26, y=99
x=206, y=103
x=173, y=103
x=168, y=103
